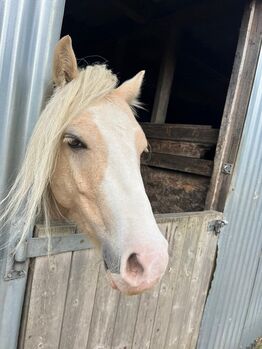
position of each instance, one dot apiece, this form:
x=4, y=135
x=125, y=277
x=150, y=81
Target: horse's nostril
x=133, y=266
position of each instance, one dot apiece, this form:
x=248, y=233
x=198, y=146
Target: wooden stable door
x=70, y=305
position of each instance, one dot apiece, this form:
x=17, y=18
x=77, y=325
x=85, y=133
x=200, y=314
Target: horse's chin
x=117, y=283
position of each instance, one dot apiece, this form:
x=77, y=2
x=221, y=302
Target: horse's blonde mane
x=29, y=196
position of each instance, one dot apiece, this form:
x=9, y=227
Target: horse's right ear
x=64, y=65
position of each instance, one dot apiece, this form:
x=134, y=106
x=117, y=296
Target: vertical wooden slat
x=47, y=301
x=201, y=272
x=236, y=105
x=104, y=314
x=201, y=279
x=165, y=80
x=191, y=287
x=125, y=319
x=48, y=282
x=80, y=299
x=182, y=289
x=24, y=318
x=145, y=319
x=175, y=234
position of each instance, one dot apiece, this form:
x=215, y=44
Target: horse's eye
x=75, y=143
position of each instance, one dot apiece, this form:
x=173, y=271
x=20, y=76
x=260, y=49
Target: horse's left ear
x=130, y=89
x=65, y=64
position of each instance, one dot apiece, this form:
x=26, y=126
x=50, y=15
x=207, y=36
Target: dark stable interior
x=134, y=35
x=130, y=35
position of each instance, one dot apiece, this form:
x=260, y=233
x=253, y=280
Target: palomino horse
x=83, y=164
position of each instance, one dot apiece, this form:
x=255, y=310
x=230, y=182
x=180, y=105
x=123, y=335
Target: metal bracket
x=257, y=344
x=41, y=246
x=227, y=168
x=14, y=274
x=216, y=226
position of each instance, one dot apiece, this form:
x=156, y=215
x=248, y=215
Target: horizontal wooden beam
x=189, y=149
x=179, y=163
x=176, y=132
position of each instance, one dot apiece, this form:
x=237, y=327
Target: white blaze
x=123, y=189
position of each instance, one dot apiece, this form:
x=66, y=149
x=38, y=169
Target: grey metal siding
x=28, y=32
x=233, y=313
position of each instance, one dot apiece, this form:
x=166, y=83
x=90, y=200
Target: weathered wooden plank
x=189, y=306
x=165, y=78
x=46, y=294
x=203, y=270
x=176, y=132
x=47, y=301
x=182, y=290
x=125, y=319
x=104, y=314
x=236, y=105
x=171, y=191
x=175, y=232
x=47, y=297
x=188, y=149
x=171, y=217
x=201, y=274
x=80, y=299
x=159, y=298
x=192, y=125
x=179, y=163
x=24, y=317
x=191, y=288
x=145, y=319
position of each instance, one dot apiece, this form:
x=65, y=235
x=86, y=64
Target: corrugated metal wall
x=233, y=313
x=29, y=30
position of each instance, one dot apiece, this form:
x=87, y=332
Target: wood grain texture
x=80, y=299
x=176, y=132
x=236, y=105
x=189, y=295
x=104, y=314
x=72, y=305
x=145, y=319
x=189, y=149
x=47, y=297
x=203, y=269
x=176, y=233
x=179, y=163
x=165, y=78
x=182, y=292
x=125, y=322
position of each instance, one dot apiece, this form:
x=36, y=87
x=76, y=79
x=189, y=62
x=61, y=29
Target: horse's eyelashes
x=75, y=143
